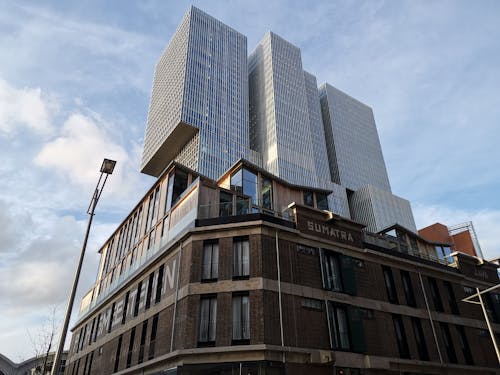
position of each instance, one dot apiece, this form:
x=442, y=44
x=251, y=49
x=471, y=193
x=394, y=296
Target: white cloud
x=486, y=223
x=77, y=153
x=23, y=109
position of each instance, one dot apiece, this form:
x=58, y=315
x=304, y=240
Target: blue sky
x=75, y=80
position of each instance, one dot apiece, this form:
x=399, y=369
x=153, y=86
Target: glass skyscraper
x=211, y=105
x=198, y=113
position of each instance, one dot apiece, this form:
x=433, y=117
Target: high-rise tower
x=198, y=112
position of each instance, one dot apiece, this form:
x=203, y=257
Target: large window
x=245, y=181
x=118, y=352
x=338, y=272
x=152, y=337
x=436, y=298
x=399, y=330
x=241, y=318
x=390, y=286
x=267, y=193
x=208, y=320
x=241, y=263
x=408, y=289
x=308, y=198
x=448, y=343
x=346, y=327
x=464, y=345
x=225, y=204
x=452, y=301
x=210, y=261
x=143, y=342
x=321, y=201
x=130, y=347
x=423, y=354
x=339, y=328
x=180, y=185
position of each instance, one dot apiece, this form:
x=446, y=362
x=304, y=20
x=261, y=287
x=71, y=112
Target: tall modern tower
x=198, y=112
x=279, y=111
x=354, y=152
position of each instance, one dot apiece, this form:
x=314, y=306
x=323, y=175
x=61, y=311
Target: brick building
x=249, y=275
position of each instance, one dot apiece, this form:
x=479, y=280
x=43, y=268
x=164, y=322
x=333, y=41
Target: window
x=152, y=338
x=143, y=341
x=321, y=201
x=390, y=287
x=438, y=304
x=137, y=298
x=420, y=339
x=338, y=272
x=159, y=284
x=241, y=317
x=111, y=316
x=208, y=320
x=464, y=345
x=308, y=199
x=241, y=267
x=225, y=204
x=399, y=330
x=180, y=185
x=125, y=306
x=210, y=261
x=448, y=343
x=170, y=189
x=89, y=369
x=339, y=328
x=313, y=304
x=92, y=331
x=118, y=351
x=97, y=327
x=130, y=347
x=408, y=289
x=267, y=193
x=452, y=301
x=332, y=268
x=149, y=290
x=346, y=327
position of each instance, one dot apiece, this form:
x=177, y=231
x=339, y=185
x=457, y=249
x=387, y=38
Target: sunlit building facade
x=253, y=254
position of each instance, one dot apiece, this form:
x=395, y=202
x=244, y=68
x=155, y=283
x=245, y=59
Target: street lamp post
x=479, y=294
x=107, y=168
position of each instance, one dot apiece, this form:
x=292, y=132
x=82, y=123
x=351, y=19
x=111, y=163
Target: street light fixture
x=107, y=168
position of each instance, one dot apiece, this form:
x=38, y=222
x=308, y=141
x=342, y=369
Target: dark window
x=143, y=341
x=97, y=326
x=346, y=327
x=149, y=290
x=118, y=351
x=321, y=201
x=137, y=298
x=420, y=339
x=125, y=307
x=152, y=338
x=91, y=360
x=399, y=330
x=452, y=301
x=438, y=304
x=225, y=204
x=159, y=284
x=170, y=189
x=464, y=345
x=130, y=347
x=208, y=320
x=308, y=198
x=408, y=289
x=85, y=365
x=210, y=261
x=241, y=318
x=241, y=266
x=332, y=269
x=180, y=185
x=338, y=272
x=267, y=193
x=390, y=286
x=339, y=327
x=111, y=316
x=490, y=307
x=448, y=343
x=92, y=331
